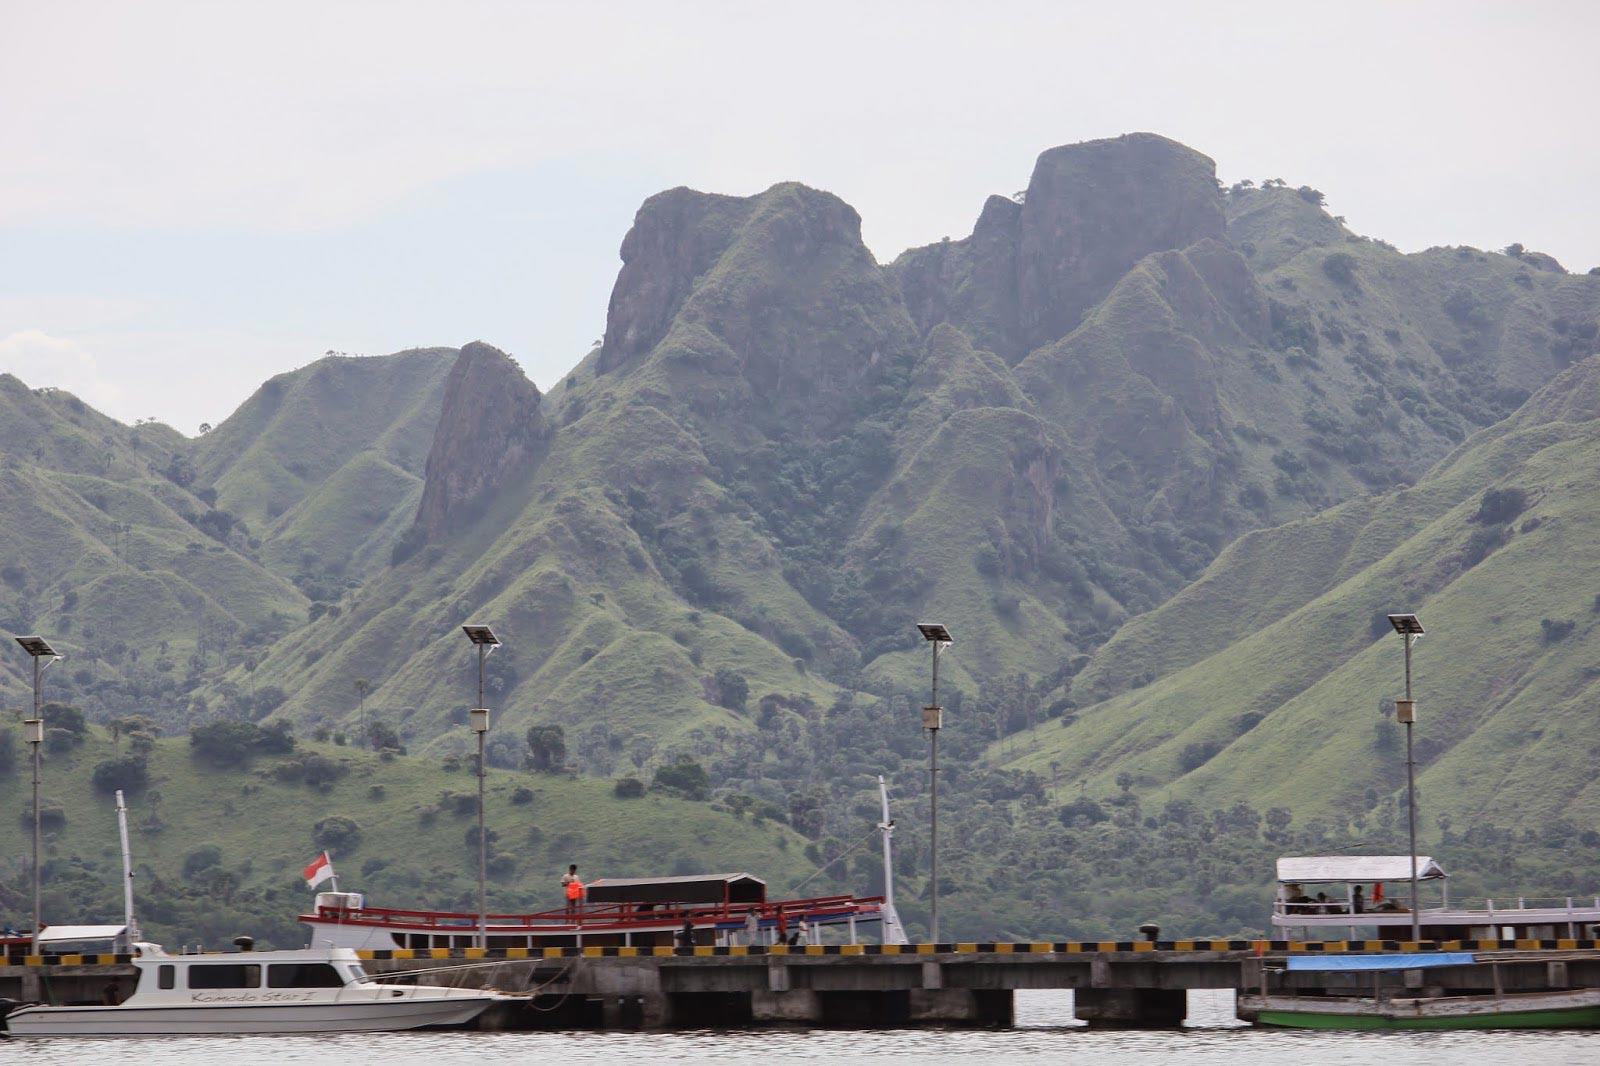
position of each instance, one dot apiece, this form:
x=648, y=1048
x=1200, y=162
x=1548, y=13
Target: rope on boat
x=871, y=834
x=532, y=991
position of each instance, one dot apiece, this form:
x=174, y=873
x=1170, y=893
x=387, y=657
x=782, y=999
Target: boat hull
x=356, y=1016
x=1556, y=1010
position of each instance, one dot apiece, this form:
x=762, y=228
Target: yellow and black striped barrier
x=65, y=960
x=1071, y=947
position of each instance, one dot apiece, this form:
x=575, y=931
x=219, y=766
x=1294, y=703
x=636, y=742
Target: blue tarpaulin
x=1380, y=962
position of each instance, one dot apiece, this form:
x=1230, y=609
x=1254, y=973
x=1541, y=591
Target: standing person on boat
x=1358, y=903
x=572, y=887
x=686, y=934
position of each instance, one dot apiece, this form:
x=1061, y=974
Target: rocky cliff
x=490, y=425
x=1030, y=271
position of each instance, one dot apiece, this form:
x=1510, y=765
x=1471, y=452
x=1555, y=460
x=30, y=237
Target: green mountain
x=1273, y=676
x=1159, y=452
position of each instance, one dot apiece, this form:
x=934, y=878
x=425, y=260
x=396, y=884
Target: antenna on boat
x=127, y=872
x=893, y=931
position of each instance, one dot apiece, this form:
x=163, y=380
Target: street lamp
x=33, y=732
x=478, y=718
x=1405, y=711
x=932, y=719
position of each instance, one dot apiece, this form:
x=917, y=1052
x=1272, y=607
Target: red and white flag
x=320, y=870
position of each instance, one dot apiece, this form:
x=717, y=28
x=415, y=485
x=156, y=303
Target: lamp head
x=38, y=647
x=1406, y=624
x=481, y=635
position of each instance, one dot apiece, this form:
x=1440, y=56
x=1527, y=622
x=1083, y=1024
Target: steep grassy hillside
x=220, y=852
x=1272, y=678
x=324, y=463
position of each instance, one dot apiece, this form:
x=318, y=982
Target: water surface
x=1046, y=1031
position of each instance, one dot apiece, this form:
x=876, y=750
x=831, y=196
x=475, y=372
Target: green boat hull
x=1560, y=1018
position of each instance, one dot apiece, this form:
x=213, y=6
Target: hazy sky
x=196, y=196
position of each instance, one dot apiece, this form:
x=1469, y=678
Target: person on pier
x=572, y=888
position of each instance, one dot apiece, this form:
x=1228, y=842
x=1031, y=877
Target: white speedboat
x=314, y=990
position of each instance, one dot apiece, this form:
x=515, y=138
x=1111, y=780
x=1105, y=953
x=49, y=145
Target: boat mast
x=893, y=931
x=127, y=872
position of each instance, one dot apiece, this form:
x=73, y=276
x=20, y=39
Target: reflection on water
x=1045, y=1027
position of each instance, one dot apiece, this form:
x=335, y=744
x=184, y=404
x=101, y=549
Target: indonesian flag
x=320, y=870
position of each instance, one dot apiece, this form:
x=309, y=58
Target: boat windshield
x=303, y=975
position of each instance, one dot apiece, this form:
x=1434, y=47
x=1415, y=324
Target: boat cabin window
x=224, y=975
x=303, y=975
x=166, y=976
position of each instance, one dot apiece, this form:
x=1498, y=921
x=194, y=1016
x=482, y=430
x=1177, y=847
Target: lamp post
x=932, y=719
x=1405, y=711
x=486, y=641
x=33, y=731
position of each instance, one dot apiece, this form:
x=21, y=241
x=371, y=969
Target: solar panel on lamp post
x=1410, y=628
x=932, y=720
x=478, y=717
x=43, y=657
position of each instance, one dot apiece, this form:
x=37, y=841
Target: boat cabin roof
x=1321, y=869
x=695, y=888
x=72, y=934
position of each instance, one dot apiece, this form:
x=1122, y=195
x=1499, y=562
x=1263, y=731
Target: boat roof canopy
x=1319, y=869
x=68, y=934
x=695, y=888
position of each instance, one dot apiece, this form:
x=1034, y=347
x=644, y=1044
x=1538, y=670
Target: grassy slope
x=112, y=561
x=1503, y=705
x=319, y=461
x=264, y=830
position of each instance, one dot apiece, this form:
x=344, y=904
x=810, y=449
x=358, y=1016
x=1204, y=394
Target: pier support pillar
x=985, y=1008
x=1131, y=1008
x=799, y=1007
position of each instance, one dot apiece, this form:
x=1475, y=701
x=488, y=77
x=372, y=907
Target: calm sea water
x=1045, y=1031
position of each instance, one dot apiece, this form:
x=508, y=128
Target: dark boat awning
x=695, y=888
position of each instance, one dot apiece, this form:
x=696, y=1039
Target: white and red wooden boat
x=630, y=912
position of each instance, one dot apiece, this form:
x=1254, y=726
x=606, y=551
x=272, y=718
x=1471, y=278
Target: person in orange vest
x=572, y=886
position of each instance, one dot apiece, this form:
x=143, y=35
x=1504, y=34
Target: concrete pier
x=1116, y=984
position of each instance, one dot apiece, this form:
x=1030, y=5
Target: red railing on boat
x=613, y=916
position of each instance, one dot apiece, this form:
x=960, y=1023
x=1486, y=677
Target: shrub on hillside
x=1195, y=756
x=206, y=857
x=66, y=717
x=1500, y=506
x=228, y=745
x=628, y=788
x=684, y=777
x=381, y=735
x=1555, y=629
x=128, y=773
x=733, y=691
x=1082, y=809
x=315, y=770
x=1341, y=267
x=337, y=833
x=547, y=748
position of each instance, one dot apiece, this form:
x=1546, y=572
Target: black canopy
x=696, y=888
